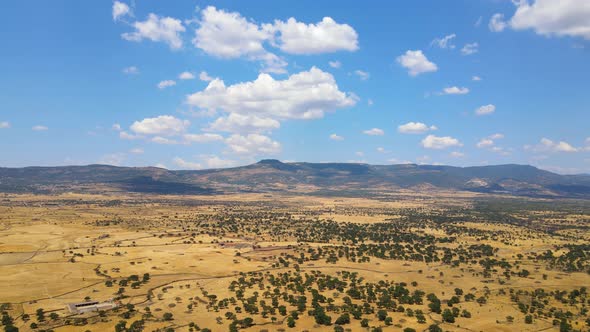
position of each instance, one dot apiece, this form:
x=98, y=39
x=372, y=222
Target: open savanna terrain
x=451, y=261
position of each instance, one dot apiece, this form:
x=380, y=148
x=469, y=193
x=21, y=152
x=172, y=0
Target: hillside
x=273, y=175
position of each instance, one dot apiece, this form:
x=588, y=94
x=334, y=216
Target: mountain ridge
x=271, y=175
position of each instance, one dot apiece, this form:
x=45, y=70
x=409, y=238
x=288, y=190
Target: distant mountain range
x=312, y=178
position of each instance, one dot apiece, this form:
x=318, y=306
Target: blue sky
x=454, y=82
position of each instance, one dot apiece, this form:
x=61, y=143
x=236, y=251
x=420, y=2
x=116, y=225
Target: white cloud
x=253, y=144
x=374, y=132
x=183, y=164
x=306, y=95
x=116, y=127
x=561, y=146
x=166, y=83
x=163, y=125
x=485, y=143
x=239, y=123
x=485, y=109
x=202, y=138
x=158, y=29
x=120, y=10
x=335, y=64
x=186, y=75
x=127, y=136
x=4, y=125
x=335, y=137
x=40, y=128
x=444, y=42
x=203, y=76
x=216, y=162
x=208, y=161
x=553, y=18
x=228, y=35
x=454, y=90
x=497, y=23
x=132, y=70
x=416, y=63
x=136, y=151
x=324, y=37
x=363, y=75
x=548, y=18
x=476, y=78
x=489, y=143
x=164, y=140
x=457, y=154
x=436, y=142
x=414, y=128
x=469, y=49
x=370, y=102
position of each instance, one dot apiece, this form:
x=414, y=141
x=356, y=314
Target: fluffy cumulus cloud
x=158, y=29
x=229, y=35
x=166, y=84
x=548, y=18
x=306, y=95
x=336, y=137
x=455, y=90
x=438, y=143
x=120, y=10
x=444, y=42
x=469, y=49
x=186, y=75
x=163, y=125
x=485, y=109
x=374, y=132
x=548, y=145
x=325, y=36
x=253, y=144
x=240, y=123
x=414, y=128
x=4, y=124
x=416, y=63
x=476, y=78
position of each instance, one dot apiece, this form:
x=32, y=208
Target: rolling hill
x=273, y=175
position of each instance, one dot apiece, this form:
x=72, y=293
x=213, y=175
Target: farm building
x=82, y=307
